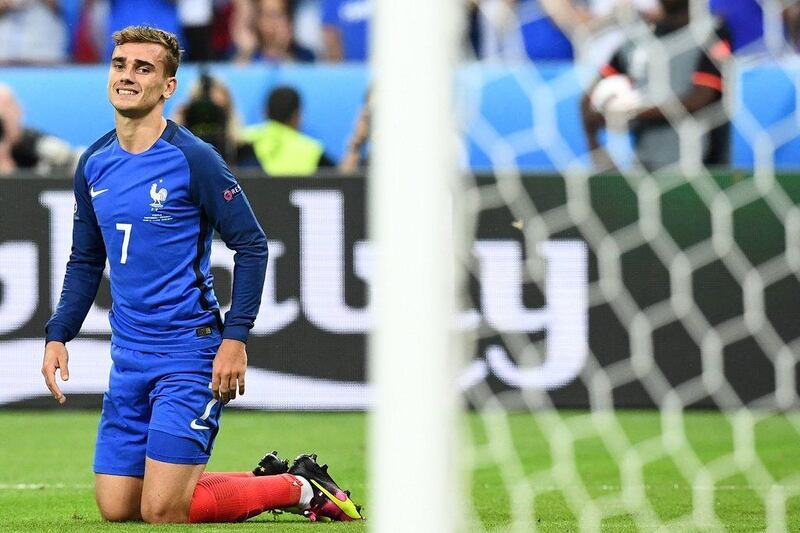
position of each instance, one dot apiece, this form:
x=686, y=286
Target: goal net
x=633, y=309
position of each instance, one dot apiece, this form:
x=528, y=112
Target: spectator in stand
x=745, y=18
x=308, y=26
x=791, y=19
x=597, y=28
x=196, y=17
x=279, y=146
x=747, y=21
x=10, y=129
x=6, y=165
x=211, y=115
x=91, y=33
x=694, y=77
x=345, y=29
x=26, y=148
x=162, y=14
x=516, y=30
x=32, y=32
x=269, y=35
x=355, y=156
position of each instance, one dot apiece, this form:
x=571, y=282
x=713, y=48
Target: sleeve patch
x=231, y=192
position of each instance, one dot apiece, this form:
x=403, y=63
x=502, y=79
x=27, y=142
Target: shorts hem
x=113, y=471
x=179, y=460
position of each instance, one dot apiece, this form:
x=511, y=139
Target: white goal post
x=413, y=171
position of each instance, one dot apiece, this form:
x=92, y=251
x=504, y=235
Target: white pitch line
x=44, y=486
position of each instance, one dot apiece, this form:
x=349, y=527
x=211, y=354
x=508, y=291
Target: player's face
x=137, y=80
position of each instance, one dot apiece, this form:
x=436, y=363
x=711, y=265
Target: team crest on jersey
x=159, y=195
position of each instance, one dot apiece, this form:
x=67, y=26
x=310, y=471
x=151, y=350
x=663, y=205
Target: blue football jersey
x=153, y=215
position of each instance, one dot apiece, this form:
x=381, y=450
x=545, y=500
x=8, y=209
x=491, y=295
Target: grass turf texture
x=46, y=480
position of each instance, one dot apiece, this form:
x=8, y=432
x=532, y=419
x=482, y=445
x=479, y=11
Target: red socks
x=237, y=496
x=228, y=474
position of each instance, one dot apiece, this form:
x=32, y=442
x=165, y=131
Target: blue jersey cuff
x=56, y=332
x=238, y=333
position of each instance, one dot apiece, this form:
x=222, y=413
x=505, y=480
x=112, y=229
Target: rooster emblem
x=159, y=196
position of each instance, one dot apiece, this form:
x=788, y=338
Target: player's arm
x=593, y=120
x=81, y=281
x=223, y=201
x=706, y=80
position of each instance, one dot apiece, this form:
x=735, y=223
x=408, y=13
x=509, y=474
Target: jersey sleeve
x=84, y=269
x=707, y=73
x=223, y=201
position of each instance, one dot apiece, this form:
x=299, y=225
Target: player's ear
x=170, y=87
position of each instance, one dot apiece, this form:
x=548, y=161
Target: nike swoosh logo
x=195, y=425
x=95, y=193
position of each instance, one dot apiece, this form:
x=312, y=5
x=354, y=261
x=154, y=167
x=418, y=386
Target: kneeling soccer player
x=148, y=197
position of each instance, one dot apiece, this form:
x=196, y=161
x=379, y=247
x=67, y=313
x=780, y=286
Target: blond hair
x=148, y=34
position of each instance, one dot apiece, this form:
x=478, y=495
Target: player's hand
x=227, y=375
x=55, y=357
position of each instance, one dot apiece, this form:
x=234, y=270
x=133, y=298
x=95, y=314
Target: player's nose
x=125, y=80
x=126, y=75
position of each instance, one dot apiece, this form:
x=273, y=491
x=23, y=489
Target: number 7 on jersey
x=126, y=239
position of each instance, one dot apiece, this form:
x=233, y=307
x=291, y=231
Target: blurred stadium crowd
x=587, y=32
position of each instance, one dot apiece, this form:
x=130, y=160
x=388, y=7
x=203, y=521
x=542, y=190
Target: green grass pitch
x=46, y=479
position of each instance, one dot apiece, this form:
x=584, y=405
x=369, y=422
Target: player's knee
x=159, y=512
x=111, y=513
x=118, y=497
